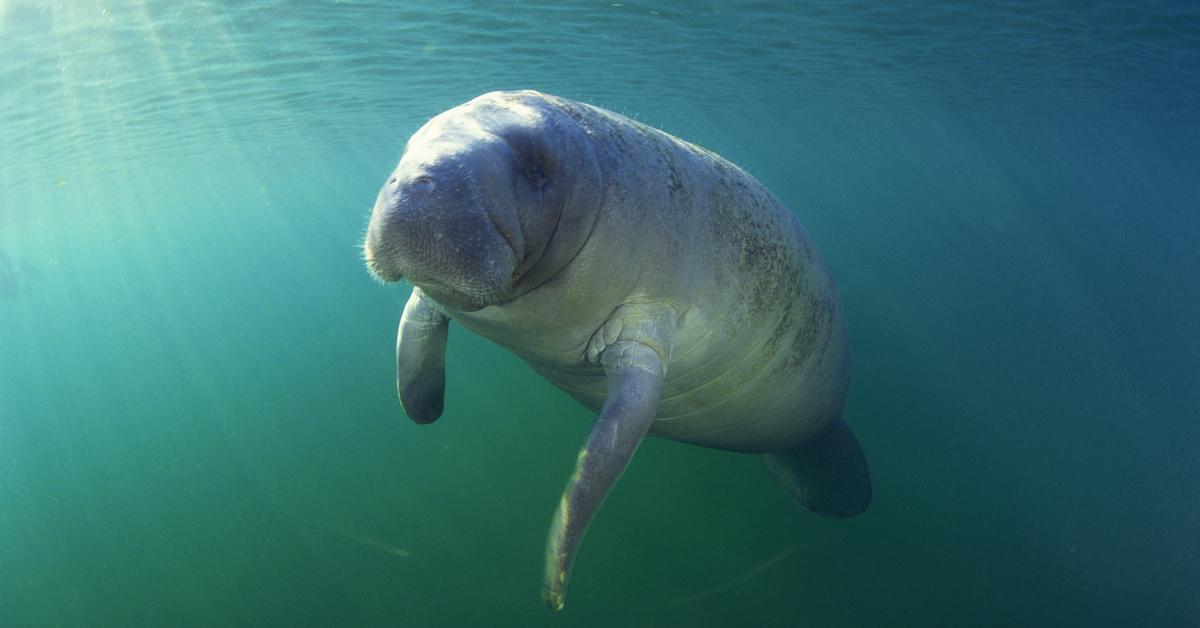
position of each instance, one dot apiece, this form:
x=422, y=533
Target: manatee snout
x=436, y=230
x=387, y=235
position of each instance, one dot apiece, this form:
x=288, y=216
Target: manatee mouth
x=464, y=301
x=385, y=272
x=384, y=268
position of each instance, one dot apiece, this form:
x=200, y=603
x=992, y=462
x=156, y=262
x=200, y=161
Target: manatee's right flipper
x=421, y=359
x=827, y=474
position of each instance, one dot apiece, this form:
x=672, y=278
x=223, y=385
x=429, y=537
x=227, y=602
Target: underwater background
x=198, y=423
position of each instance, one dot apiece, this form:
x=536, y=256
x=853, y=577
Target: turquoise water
x=197, y=417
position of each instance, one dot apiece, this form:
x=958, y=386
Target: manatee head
x=478, y=202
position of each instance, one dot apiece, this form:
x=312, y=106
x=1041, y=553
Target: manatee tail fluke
x=827, y=474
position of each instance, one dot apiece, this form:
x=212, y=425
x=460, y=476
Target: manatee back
x=760, y=355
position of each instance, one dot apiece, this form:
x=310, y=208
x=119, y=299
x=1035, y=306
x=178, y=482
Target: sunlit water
x=197, y=417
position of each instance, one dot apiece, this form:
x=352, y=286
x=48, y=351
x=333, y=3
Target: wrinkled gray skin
x=647, y=277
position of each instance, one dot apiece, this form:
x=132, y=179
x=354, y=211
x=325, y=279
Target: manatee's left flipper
x=635, y=375
x=634, y=363
x=421, y=358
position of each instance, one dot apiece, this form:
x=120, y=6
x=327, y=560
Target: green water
x=197, y=417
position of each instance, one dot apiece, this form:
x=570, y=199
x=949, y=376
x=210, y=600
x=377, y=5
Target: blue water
x=197, y=417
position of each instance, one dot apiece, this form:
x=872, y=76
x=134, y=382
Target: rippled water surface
x=197, y=417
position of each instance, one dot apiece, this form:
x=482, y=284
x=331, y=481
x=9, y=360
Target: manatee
x=647, y=277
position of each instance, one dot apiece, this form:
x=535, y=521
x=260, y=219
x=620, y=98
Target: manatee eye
x=535, y=171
